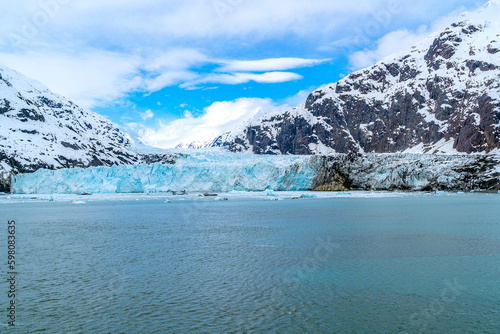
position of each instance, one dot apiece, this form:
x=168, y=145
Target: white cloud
x=168, y=79
x=391, y=43
x=300, y=97
x=163, y=24
x=240, y=78
x=147, y=21
x=216, y=119
x=90, y=78
x=175, y=59
x=147, y=115
x=96, y=77
x=179, y=68
x=397, y=41
x=172, y=68
x=273, y=64
x=187, y=114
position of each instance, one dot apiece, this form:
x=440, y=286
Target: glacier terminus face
x=200, y=172
x=222, y=171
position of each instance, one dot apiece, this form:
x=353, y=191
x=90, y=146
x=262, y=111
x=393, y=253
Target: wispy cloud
x=99, y=77
x=147, y=115
x=394, y=42
x=89, y=78
x=170, y=68
x=273, y=64
x=298, y=98
x=146, y=22
x=240, y=78
x=398, y=41
x=167, y=79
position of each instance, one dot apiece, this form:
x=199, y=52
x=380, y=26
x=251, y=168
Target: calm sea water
x=410, y=264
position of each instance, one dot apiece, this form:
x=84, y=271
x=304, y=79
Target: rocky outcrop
x=5, y=179
x=412, y=172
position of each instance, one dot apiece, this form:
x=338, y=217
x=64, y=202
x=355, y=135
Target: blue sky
x=183, y=70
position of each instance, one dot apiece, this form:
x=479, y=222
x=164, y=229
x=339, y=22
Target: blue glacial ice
x=196, y=172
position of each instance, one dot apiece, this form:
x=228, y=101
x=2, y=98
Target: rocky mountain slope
x=40, y=129
x=442, y=96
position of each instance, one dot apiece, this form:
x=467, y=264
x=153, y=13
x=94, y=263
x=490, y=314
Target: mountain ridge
x=40, y=129
x=441, y=96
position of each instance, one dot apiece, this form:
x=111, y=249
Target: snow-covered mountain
x=195, y=145
x=442, y=96
x=40, y=129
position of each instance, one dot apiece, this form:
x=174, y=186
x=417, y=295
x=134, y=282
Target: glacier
x=197, y=172
x=217, y=171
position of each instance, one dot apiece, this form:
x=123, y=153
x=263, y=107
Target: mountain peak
x=40, y=129
x=492, y=3
x=488, y=12
x=441, y=96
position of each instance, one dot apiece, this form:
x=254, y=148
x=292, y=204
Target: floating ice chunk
x=274, y=199
x=238, y=192
x=343, y=193
x=269, y=192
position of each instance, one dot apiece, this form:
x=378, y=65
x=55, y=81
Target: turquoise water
x=410, y=264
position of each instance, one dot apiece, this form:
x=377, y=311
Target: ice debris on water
x=274, y=199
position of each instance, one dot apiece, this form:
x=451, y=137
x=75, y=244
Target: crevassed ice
x=194, y=173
